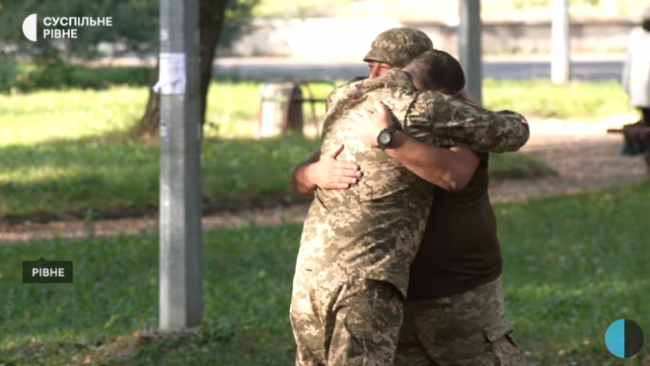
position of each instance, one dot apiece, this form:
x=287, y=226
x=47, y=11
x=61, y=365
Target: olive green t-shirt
x=460, y=248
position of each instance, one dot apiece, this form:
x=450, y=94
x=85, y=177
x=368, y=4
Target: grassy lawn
x=233, y=99
x=573, y=265
x=93, y=176
x=542, y=99
x=86, y=175
x=64, y=152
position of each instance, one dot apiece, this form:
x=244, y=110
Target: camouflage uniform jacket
x=373, y=230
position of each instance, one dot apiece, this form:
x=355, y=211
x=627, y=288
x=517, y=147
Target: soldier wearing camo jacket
x=357, y=246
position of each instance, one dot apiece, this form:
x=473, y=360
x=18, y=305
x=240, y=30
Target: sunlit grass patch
x=51, y=115
x=543, y=99
x=66, y=151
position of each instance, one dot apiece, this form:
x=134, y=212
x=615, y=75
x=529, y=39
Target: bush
x=8, y=75
x=51, y=75
x=101, y=77
x=59, y=75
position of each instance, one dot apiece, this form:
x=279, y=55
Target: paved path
x=584, y=67
x=584, y=156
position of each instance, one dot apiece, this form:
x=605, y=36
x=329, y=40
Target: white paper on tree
x=172, y=76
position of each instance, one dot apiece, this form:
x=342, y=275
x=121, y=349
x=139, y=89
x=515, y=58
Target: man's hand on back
x=328, y=173
x=368, y=124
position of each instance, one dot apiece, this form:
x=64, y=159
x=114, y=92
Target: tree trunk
x=149, y=124
x=211, y=16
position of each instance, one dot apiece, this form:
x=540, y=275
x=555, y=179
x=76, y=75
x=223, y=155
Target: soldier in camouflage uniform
x=454, y=313
x=357, y=246
x=470, y=327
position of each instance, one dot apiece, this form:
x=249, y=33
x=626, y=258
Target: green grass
x=92, y=176
x=542, y=99
x=75, y=113
x=573, y=265
x=64, y=152
x=63, y=177
x=236, y=100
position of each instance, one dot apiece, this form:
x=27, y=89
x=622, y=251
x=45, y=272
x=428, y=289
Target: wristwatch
x=385, y=137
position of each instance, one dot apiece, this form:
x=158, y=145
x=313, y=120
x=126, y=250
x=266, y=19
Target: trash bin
x=280, y=109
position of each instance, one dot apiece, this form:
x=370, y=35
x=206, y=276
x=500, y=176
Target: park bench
x=636, y=133
x=281, y=106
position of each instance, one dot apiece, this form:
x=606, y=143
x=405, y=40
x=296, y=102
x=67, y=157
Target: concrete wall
x=350, y=38
x=324, y=37
x=535, y=37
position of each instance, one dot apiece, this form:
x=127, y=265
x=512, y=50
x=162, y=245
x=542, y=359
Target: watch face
x=384, y=138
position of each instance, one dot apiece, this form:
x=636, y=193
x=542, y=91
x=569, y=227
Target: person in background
x=636, y=82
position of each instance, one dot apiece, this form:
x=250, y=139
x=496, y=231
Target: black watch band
x=385, y=137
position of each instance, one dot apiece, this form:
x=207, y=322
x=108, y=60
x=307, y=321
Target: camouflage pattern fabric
x=398, y=46
x=373, y=230
x=469, y=329
x=345, y=322
x=332, y=96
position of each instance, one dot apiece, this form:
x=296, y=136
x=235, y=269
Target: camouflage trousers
x=468, y=329
x=342, y=321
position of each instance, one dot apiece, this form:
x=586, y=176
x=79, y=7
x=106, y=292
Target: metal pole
x=560, y=42
x=181, y=303
x=469, y=46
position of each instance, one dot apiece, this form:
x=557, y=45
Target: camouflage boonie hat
x=398, y=46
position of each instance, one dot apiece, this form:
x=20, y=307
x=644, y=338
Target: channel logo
x=30, y=29
x=624, y=338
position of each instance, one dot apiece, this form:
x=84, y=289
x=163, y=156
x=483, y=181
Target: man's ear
x=417, y=84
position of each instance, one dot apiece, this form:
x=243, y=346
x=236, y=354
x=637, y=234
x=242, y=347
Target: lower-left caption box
x=43, y=271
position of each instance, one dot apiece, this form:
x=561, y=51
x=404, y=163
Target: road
x=596, y=68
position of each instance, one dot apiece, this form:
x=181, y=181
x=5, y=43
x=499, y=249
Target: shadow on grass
x=246, y=346
x=115, y=176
